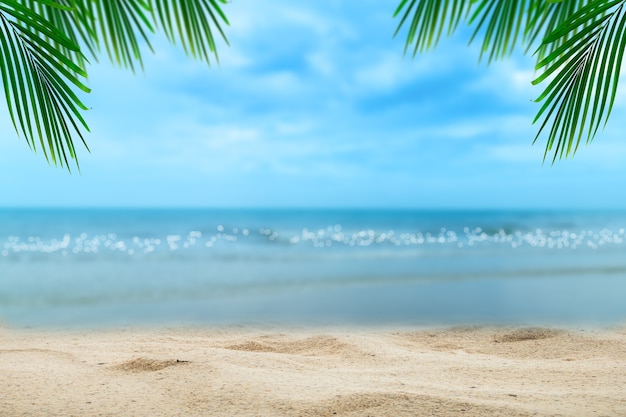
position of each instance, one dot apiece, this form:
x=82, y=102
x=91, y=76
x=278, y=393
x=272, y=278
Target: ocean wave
x=240, y=243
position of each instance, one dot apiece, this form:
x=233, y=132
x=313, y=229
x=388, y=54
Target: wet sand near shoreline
x=272, y=371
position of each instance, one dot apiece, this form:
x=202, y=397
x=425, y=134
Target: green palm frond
x=429, y=19
x=580, y=56
x=42, y=66
x=39, y=80
x=119, y=25
x=191, y=22
x=503, y=22
x=582, y=75
x=545, y=17
x=73, y=19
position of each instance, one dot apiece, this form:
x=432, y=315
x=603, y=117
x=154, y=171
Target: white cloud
x=606, y=151
x=509, y=80
x=388, y=70
x=293, y=128
x=483, y=128
x=522, y=79
x=321, y=62
x=516, y=153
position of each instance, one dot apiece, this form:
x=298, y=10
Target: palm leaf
x=429, y=18
x=192, y=22
x=503, y=21
x=582, y=75
x=70, y=17
x=39, y=80
x=119, y=25
x=544, y=18
x=41, y=64
x=500, y=22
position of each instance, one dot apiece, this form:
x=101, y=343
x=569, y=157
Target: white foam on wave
x=332, y=236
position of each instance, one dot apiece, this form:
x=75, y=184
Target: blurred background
x=316, y=175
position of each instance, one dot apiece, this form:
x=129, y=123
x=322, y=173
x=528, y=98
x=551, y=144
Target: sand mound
x=311, y=346
x=446, y=340
x=146, y=365
x=514, y=343
x=522, y=335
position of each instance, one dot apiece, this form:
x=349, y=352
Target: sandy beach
x=241, y=371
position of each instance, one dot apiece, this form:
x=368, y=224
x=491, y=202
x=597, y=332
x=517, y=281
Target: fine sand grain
x=240, y=371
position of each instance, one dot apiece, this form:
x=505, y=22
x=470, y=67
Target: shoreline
x=301, y=371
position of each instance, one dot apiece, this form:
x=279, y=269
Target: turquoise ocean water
x=93, y=268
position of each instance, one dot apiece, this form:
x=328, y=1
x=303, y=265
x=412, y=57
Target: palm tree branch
x=117, y=25
x=504, y=20
x=502, y=24
x=192, y=23
x=72, y=18
x=428, y=19
x=596, y=52
x=39, y=80
x=545, y=17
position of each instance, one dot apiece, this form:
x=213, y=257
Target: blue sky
x=314, y=105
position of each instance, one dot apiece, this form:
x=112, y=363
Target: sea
x=99, y=268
